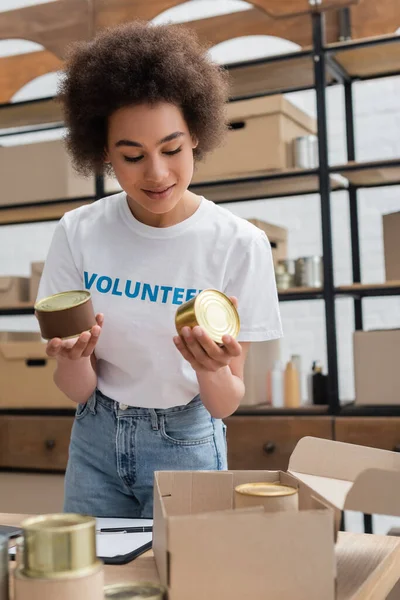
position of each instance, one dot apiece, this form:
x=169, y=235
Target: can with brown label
x=211, y=310
x=58, y=559
x=65, y=315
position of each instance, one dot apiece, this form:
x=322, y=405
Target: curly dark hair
x=135, y=63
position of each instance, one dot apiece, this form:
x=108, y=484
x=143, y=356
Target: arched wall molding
x=17, y=71
x=56, y=24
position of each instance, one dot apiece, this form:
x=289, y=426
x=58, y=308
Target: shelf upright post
x=325, y=189
x=353, y=202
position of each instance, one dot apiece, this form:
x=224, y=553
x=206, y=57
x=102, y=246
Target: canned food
x=135, y=591
x=4, y=567
x=59, y=545
x=65, y=315
x=309, y=272
x=272, y=496
x=211, y=310
x=305, y=149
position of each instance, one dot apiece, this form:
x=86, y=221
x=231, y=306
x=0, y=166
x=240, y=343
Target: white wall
x=377, y=113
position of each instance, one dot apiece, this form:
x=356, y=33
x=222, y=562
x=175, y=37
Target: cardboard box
x=26, y=373
x=376, y=366
x=204, y=548
x=260, y=360
x=391, y=242
x=36, y=274
x=260, y=139
x=13, y=290
x=277, y=237
x=48, y=174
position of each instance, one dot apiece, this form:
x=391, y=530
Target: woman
x=146, y=102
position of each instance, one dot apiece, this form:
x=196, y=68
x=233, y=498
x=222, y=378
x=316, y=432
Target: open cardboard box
x=205, y=549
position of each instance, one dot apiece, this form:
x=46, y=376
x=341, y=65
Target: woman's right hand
x=76, y=348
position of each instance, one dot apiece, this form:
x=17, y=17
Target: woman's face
x=151, y=151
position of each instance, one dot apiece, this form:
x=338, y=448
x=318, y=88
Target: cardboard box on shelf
x=391, y=242
x=26, y=373
x=249, y=553
x=376, y=366
x=48, y=174
x=13, y=290
x=36, y=273
x=260, y=139
x=260, y=360
x=277, y=237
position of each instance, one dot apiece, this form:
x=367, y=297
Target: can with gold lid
x=135, y=591
x=59, y=544
x=57, y=559
x=65, y=315
x=213, y=311
x=272, y=496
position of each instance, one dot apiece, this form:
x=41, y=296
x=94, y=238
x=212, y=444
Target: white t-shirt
x=138, y=275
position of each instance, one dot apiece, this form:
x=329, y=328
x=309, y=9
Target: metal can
x=59, y=546
x=284, y=281
x=305, y=152
x=65, y=315
x=211, y=310
x=310, y=272
x=273, y=496
x=289, y=265
x=135, y=591
x=4, y=558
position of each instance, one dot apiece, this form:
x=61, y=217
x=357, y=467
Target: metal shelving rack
x=317, y=68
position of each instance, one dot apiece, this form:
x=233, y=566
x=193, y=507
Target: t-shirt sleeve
x=60, y=273
x=253, y=284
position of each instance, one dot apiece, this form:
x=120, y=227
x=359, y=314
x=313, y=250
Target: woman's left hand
x=202, y=352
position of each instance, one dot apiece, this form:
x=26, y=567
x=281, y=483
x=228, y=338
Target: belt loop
x=154, y=419
x=92, y=402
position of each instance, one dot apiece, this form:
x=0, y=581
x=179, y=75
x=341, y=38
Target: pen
x=144, y=529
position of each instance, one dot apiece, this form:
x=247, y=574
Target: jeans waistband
x=140, y=411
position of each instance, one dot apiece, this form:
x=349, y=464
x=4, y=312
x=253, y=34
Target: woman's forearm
x=77, y=379
x=220, y=391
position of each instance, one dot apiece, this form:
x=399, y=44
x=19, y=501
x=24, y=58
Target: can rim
x=288, y=491
x=43, y=523
x=43, y=300
x=81, y=572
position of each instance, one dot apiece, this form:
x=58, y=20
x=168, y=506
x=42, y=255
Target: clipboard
x=123, y=559
x=122, y=548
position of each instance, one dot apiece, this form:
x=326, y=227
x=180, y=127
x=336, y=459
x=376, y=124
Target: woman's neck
x=184, y=209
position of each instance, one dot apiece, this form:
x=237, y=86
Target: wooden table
x=368, y=565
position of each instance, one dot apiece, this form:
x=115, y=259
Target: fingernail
x=198, y=332
x=186, y=332
x=227, y=339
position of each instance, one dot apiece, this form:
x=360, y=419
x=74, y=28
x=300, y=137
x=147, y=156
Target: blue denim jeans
x=114, y=451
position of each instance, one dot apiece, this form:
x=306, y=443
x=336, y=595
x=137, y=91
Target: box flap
x=23, y=350
x=348, y=476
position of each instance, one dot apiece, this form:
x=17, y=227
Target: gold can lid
x=217, y=315
x=62, y=301
x=265, y=489
x=135, y=591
